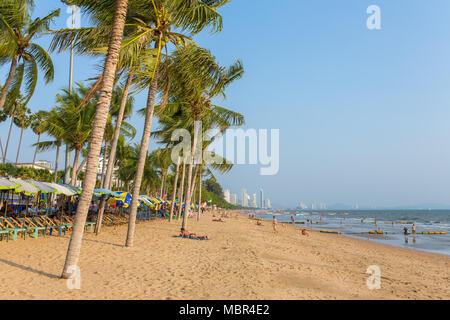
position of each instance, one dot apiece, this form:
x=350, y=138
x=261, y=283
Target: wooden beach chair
x=4, y=231
x=26, y=223
x=14, y=227
x=51, y=225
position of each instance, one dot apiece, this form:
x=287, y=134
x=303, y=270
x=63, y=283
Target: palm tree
x=23, y=121
x=188, y=16
x=16, y=45
x=12, y=110
x=98, y=129
x=192, y=91
x=38, y=126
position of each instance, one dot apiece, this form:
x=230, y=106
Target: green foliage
x=25, y=172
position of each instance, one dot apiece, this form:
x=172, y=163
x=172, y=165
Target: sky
x=363, y=114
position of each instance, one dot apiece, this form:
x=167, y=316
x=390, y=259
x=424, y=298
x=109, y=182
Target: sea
x=358, y=223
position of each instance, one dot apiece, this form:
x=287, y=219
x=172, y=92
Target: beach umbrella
x=145, y=201
x=126, y=199
x=60, y=189
x=6, y=184
x=23, y=186
x=43, y=188
x=106, y=192
x=73, y=188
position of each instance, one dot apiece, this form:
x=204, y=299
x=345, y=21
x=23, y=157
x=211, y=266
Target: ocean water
x=358, y=223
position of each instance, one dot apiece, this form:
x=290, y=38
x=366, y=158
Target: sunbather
x=186, y=234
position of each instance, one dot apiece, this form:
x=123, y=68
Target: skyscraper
x=262, y=198
x=226, y=195
x=233, y=199
x=244, y=198
x=268, y=204
x=254, y=202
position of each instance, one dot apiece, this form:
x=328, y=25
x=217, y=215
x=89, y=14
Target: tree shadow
x=25, y=268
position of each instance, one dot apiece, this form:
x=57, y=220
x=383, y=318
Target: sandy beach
x=241, y=261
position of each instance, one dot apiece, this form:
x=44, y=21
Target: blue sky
x=363, y=115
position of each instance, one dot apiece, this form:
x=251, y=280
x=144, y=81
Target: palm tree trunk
x=181, y=193
x=55, y=177
x=112, y=155
x=194, y=181
x=142, y=157
x=75, y=167
x=1, y=147
x=174, y=193
x=187, y=204
x=80, y=167
x=98, y=131
x=7, y=141
x=20, y=144
x=199, y=194
x=162, y=183
x=8, y=82
x=35, y=151
x=67, y=165
x=102, y=181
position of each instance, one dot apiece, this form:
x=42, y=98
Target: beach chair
x=4, y=232
x=26, y=223
x=52, y=225
x=14, y=227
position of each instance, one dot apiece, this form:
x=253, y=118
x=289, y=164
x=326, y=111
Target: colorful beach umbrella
x=23, y=186
x=6, y=184
x=61, y=189
x=43, y=188
x=106, y=192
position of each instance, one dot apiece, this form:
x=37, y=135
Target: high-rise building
x=233, y=199
x=303, y=206
x=262, y=198
x=254, y=202
x=268, y=204
x=226, y=195
x=244, y=198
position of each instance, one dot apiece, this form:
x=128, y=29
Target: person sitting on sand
x=258, y=223
x=304, y=233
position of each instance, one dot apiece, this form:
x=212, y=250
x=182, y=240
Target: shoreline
x=242, y=261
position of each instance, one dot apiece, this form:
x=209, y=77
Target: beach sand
x=241, y=261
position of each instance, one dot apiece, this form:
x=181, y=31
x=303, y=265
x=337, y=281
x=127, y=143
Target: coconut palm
x=23, y=121
x=98, y=128
x=38, y=126
x=192, y=90
x=189, y=17
x=17, y=47
x=13, y=109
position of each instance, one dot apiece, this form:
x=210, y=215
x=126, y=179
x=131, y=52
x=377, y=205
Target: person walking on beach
x=293, y=219
x=275, y=222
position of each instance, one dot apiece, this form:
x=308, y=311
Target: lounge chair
x=14, y=227
x=4, y=232
x=26, y=223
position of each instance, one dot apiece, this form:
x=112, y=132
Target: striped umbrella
x=23, y=186
x=43, y=188
x=6, y=184
x=61, y=189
